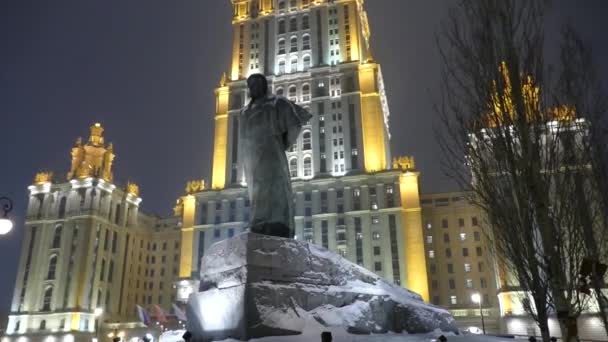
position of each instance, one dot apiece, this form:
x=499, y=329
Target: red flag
x=160, y=315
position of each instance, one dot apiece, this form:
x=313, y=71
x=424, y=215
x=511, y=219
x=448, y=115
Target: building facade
x=88, y=246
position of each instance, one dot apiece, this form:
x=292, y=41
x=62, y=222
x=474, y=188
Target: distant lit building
x=87, y=245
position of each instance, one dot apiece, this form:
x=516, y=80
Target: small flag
x=179, y=313
x=160, y=315
x=143, y=315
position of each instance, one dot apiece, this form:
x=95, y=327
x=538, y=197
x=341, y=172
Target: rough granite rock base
x=257, y=285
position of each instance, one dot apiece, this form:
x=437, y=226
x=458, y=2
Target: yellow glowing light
x=187, y=232
x=372, y=117
x=415, y=263
x=220, y=146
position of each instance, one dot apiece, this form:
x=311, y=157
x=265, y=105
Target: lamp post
x=6, y=225
x=476, y=298
x=97, y=313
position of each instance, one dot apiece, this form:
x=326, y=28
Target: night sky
x=146, y=69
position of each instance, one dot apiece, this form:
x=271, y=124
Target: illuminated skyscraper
x=350, y=197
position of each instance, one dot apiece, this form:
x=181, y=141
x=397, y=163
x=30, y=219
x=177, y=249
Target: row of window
x=293, y=44
x=461, y=237
x=461, y=223
x=448, y=252
x=293, y=65
x=293, y=24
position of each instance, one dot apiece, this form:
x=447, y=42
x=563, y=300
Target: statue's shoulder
x=280, y=101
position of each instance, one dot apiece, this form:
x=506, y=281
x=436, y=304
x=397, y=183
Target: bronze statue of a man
x=268, y=126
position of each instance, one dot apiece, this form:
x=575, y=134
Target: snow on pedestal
x=257, y=285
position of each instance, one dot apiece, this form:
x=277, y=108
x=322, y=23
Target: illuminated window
x=57, y=237
x=293, y=167
x=431, y=254
x=50, y=275
x=429, y=239
x=467, y=267
x=306, y=92
x=453, y=300
x=469, y=283
x=294, y=65
x=281, y=46
x=281, y=67
x=46, y=301
x=307, y=167
x=376, y=235
x=292, y=92
x=463, y=236
x=293, y=24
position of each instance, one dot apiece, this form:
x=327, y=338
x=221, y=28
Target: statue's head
x=258, y=86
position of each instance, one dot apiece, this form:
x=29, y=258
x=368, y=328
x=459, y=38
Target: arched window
x=306, y=62
x=50, y=275
x=294, y=65
x=293, y=167
x=46, y=299
x=282, y=28
x=17, y=326
x=307, y=167
x=306, y=141
x=293, y=24
x=280, y=91
x=281, y=67
x=281, y=4
x=62, y=205
x=293, y=44
x=293, y=4
x=306, y=42
x=306, y=92
x=292, y=91
x=57, y=237
x=281, y=46
x=305, y=22
x=117, y=214
x=42, y=325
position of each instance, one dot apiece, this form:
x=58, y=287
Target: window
x=281, y=25
x=306, y=92
x=429, y=239
x=452, y=284
x=429, y=225
x=476, y=236
x=474, y=222
x=478, y=251
x=281, y=46
x=42, y=325
x=306, y=42
x=57, y=237
x=307, y=167
x=293, y=24
x=431, y=254
x=465, y=252
x=281, y=68
x=216, y=233
x=378, y=266
x=460, y=222
x=50, y=275
x=306, y=141
x=450, y=268
x=230, y=232
x=293, y=167
x=110, y=271
x=103, y=269
x=483, y=283
x=375, y=220
x=293, y=44
x=433, y=268
x=307, y=211
x=463, y=236
x=467, y=268
x=306, y=62
x=305, y=21
x=294, y=65
x=444, y=223
x=448, y=253
x=376, y=235
x=46, y=301
x=469, y=283
x=376, y=250
x=480, y=266
x=446, y=237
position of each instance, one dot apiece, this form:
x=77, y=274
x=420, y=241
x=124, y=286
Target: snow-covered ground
x=341, y=336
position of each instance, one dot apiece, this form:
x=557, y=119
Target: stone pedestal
x=256, y=285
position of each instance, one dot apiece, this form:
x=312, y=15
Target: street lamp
x=476, y=298
x=97, y=313
x=6, y=225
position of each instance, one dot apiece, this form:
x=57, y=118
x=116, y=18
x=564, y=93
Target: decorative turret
x=93, y=159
